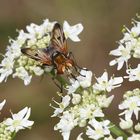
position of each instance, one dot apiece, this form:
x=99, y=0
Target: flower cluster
x=4, y=133
x=130, y=106
x=83, y=105
x=37, y=36
x=129, y=46
x=10, y=126
x=84, y=102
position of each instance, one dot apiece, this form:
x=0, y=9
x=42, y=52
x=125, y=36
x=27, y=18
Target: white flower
x=129, y=46
x=126, y=124
x=90, y=111
x=129, y=40
x=103, y=101
x=22, y=37
x=134, y=74
x=72, y=32
x=107, y=85
x=19, y=121
x=73, y=87
x=76, y=98
x=65, y=102
x=134, y=137
x=136, y=53
x=85, y=112
x=2, y=104
x=123, y=54
x=135, y=30
x=100, y=130
x=97, y=113
x=130, y=106
x=37, y=70
x=22, y=74
x=6, y=68
x=48, y=26
x=14, y=50
x=66, y=124
x=38, y=31
x=137, y=127
x=85, y=78
x=35, y=31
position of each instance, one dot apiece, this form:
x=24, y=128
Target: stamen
x=52, y=106
x=55, y=101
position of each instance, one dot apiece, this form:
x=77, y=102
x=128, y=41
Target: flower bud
x=137, y=127
x=76, y=98
x=82, y=123
x=126, y=124
x=4, y=133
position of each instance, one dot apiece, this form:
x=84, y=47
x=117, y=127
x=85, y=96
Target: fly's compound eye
x=36, y=54
x=59, y=38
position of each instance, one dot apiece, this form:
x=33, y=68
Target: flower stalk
x=117, y=131
x=13, y=135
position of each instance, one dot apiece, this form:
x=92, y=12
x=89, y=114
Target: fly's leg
x=60, y=86
x=76, y=66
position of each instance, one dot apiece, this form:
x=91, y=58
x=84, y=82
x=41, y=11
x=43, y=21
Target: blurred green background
x=102, y=20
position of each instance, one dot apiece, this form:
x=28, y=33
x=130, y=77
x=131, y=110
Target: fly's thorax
x=62, y=62
x=58, y=58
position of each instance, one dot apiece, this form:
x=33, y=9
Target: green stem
x=13, y=135
x=117, y=131
x=59, y=78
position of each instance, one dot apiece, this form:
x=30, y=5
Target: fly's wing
x=38, y=55
x=58, y=40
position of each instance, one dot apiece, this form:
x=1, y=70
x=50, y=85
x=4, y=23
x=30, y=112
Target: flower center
x=133, y=105
x=105, y=84
x=16, y=123
x=8, y=65
x=100, y=132
x=125, y=53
